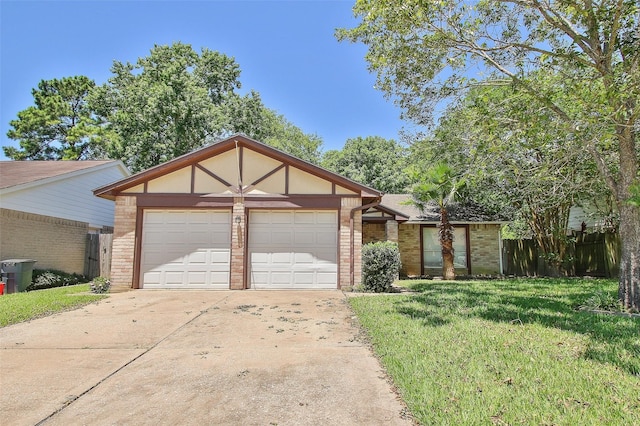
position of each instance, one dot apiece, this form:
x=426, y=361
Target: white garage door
x=186, y=249
x=293, y=249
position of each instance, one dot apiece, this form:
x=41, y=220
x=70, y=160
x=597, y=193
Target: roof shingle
x=13, y=173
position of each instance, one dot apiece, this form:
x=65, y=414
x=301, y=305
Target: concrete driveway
x=196, y=357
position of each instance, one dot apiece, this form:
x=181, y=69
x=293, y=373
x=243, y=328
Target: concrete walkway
x=196, y=358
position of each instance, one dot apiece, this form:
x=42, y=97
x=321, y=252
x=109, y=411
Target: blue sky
x=286, y=50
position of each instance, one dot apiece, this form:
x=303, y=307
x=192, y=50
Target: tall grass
x=507, y=352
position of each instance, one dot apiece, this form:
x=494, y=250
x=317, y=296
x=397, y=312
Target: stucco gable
x=237, y=165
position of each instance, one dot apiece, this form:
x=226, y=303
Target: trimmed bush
x=380, y=266
x=50, y=278
x=100, y=285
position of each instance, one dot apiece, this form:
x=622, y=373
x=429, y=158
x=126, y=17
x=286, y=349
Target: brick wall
x=485, y=249
x=409, y=245
x=237, y=245
x=373, y=232
x=124, y=239
x=55, y=243
x=347, y=204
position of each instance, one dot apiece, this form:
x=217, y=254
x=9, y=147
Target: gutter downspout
x=352, y=236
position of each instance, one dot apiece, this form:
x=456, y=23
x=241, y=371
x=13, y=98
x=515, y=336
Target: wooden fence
x=596, y=255
x=98, y=255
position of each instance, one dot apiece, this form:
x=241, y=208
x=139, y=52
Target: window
x=432, y=253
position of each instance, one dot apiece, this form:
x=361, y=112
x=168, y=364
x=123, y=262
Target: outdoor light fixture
x=238, y=219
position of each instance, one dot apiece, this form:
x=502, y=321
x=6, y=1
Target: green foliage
x=424, y=51
x=60, y=126
x=166, y=104
x=380, y=265
x=49, y=278
x=506, y=352
x=177, y=100
x=25, y=306
x=439, y=183
x=373, y=161
x=100, y=285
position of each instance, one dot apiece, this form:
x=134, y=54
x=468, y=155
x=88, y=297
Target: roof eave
x=112, y=190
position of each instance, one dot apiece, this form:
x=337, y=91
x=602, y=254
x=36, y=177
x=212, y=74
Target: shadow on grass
x=550, y=303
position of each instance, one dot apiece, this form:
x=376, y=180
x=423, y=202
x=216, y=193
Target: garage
x=293, y=249
x=237, y=214
x=185, y=249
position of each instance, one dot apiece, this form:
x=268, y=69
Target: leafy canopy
x=60, y=126
x=373, y=161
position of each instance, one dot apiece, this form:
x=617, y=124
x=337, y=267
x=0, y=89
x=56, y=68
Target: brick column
x=238, y=245
x=124, y=244
x=391, y=230
x=344, y=280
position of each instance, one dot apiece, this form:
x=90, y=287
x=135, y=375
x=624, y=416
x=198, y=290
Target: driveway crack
x=73, y=398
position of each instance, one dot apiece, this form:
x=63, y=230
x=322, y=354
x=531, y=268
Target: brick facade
x=124, y=244
x=53, y=242
x=237, y=245
x=344, y=267
x=373, y=232
x=483, y=240
x=409, y=245
x=485, y=249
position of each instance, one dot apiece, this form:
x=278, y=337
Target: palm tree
x=439, y=184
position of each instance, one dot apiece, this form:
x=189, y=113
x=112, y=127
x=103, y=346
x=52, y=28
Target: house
x=47, y=208
x=477, y=241
x=237, y=214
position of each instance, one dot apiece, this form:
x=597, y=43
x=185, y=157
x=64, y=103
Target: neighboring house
x=589, y=218
x=48, y=208
x=477, y=241
x=237, y=214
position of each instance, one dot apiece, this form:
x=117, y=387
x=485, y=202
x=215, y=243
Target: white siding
x=71, y=198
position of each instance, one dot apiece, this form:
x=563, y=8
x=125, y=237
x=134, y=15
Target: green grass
x=18, y=307
x=507, y=352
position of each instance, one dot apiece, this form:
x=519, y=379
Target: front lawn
x=507, y=352
x=18, y=307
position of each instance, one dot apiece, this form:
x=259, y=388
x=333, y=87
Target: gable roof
x=238, y=140
x=461, y=213
x=19, y=174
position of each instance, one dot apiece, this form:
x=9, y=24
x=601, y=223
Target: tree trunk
x=446, y=243
x=629, y=285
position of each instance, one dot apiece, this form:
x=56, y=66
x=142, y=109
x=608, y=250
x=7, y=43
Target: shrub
x=380, y=266
x=50, y=278
x=100, y=285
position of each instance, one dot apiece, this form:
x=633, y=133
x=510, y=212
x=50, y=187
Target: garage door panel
x=282, y=238
x=303, y=238
x=327, y=217
x=198, y=258
x=303, y=279
x=308, y=218
x=291, y=249
x=327, y=238
x=152, y=277
x=325, y=278
x=281, y=217
x=304, y=258
x=186, y=249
